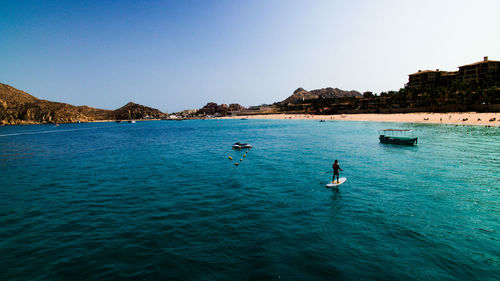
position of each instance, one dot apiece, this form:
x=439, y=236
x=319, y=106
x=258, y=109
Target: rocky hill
x=18, y=107
x=213, y=108
x=300, y=94
x=136, y=111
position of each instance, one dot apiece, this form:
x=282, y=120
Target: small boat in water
x=239, y=145
x=397, y=136
x=132, y=121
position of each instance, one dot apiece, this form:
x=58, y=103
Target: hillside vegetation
x=18, y=107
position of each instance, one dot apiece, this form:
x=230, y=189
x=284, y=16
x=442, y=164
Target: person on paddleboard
x=336, y=168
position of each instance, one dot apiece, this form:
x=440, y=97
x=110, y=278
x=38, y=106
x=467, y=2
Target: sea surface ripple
x=161, y=200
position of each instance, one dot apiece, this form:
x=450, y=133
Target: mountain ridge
x=18, y=107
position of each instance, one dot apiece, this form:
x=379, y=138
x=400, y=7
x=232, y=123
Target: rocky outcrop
x=236, y=107
x=300, y=94
x=18, y=107
x=136, y=111
x=213, y=108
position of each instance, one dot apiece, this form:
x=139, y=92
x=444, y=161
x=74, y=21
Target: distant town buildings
x=188, y=112
x=476, y=72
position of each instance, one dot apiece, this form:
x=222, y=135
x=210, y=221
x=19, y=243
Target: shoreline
x=82, y=122
x=449, y=118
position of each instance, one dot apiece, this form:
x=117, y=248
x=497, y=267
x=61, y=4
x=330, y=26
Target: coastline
x=449, y=118
x=85, y=121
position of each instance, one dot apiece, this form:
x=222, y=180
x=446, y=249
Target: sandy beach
x=455, y=118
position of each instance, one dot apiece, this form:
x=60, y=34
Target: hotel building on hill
x=475, y=72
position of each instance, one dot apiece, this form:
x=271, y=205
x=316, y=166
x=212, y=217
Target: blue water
x=161, y=200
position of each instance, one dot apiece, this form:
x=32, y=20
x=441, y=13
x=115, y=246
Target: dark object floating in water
x=239, y=145
x=389, y=136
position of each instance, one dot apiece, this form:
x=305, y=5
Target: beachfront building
x=427, y=79
x=476, y=72
x=258, y=109
x=479, y=71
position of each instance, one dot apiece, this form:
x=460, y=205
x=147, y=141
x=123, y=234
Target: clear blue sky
x=183, y=54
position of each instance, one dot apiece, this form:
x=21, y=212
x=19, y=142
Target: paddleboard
x=335, y=183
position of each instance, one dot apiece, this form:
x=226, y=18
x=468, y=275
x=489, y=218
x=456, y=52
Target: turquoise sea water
x=161, y=200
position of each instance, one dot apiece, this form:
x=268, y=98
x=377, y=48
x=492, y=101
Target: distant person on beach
x=336, y=168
